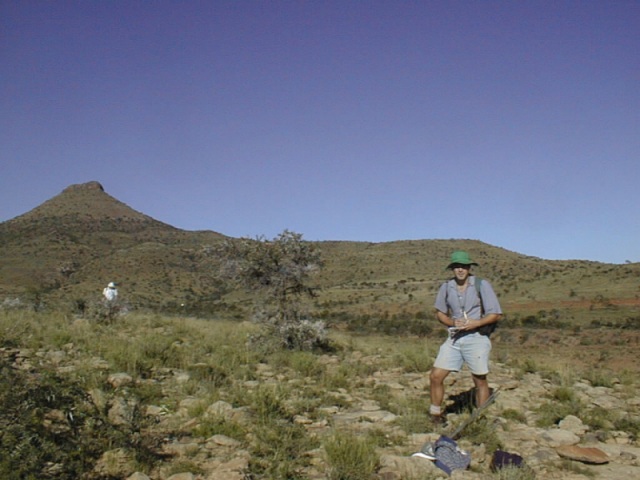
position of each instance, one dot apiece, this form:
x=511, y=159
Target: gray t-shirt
x=454, y=303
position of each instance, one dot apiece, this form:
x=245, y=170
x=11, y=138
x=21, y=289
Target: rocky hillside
x=73, y=244
x=67, y=249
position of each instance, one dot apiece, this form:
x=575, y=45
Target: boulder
x=583, y=454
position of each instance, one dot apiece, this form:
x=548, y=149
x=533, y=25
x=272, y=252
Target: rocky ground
x=568, y=450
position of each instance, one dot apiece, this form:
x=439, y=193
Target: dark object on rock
x=502, y=459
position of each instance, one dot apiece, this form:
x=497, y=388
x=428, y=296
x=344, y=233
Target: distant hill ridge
x=71, y=245
x=93, y=238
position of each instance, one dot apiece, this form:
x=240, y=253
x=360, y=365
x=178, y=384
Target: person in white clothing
x=110, y=292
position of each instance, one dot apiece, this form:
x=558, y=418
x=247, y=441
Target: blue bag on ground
x=449, y=456
x=502, y=459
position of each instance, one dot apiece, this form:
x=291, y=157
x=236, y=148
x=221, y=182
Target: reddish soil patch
x=580, y=304
x=604, y=349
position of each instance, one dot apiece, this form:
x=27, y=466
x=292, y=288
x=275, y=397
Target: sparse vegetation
x=351, y=457
x=514, y=473
x=563, y=401
x=61, y=426
x=84, y=391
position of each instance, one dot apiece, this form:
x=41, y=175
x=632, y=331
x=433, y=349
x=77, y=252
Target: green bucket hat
x=460, y=258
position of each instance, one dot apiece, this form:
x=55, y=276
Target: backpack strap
x=486, y=329
x=478, y=286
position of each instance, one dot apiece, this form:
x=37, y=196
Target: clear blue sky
x=514, y=123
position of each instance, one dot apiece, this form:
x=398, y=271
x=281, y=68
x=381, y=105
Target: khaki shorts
x=472, y=349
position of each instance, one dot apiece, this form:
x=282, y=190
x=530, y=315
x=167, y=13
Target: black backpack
x=502, y=459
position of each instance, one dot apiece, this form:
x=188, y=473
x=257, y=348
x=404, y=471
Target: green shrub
x=482, y=431
x=515, y=415
x=414, y=358
x=564, y=395
x=220, y=425
x=214, y=374
x=278, y=449
x=598, y=378
x=48, y=420
x=515, y=473
x=350, y=457
x=268, y=403
x=599, y=418
x=629, y=425
x=564, y=402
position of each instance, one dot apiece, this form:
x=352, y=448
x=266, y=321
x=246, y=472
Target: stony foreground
x=568, y=450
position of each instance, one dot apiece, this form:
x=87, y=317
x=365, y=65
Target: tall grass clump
x=599, y=378
x=482, y=431
x=599, y=418
x=350, y=457
x=279, y=450
x=514, y=473
x=303, y=363
x=278, y=445
x=140, y=355
x=514, y=415
x=414, y=357
x=563, y=401
x=630, y=425
x=413, y=415
x=28, y=329
x=220, y=425
x=50, y=427
x=268, y=403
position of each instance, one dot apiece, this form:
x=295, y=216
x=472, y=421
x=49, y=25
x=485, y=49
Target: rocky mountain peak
x=92, y=185
x=84, y=201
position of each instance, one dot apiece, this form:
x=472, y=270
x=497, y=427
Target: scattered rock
x=121, y=412
x=138, y=476
x=219, y=409
x=557, y=437
x=606, y=453
x=573, y=424
x=117, y=380
x=224, y=441
x=182, y=476
x=583, y=454
x=115, y=463
x=394, y=467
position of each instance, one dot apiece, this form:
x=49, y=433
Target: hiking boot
x=438, y=421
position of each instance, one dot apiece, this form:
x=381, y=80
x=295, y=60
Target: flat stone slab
x=583, y=454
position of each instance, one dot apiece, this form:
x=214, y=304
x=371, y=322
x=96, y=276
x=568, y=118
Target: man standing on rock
x=469, y=308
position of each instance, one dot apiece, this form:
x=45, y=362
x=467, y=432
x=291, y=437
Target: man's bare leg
x=436, y=386
x=482, y=389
